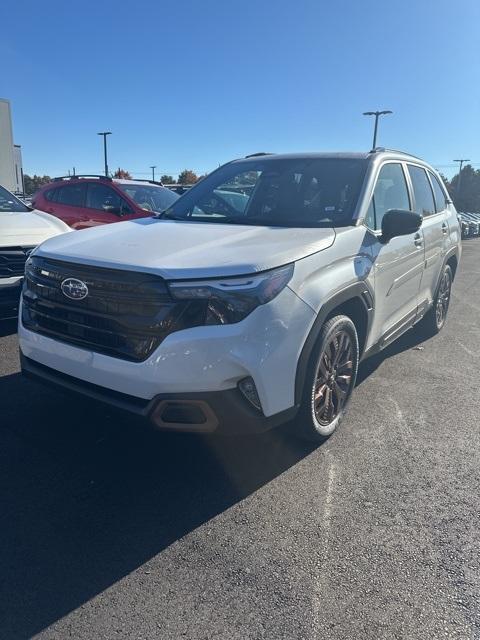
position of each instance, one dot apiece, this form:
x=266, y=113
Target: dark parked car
x=88, y=201
x=473, y=222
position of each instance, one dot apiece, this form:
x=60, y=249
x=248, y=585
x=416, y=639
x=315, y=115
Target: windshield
x=8, y=202
x=149, y=197
x=305, y=192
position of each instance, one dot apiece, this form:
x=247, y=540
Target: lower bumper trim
x=223, y=411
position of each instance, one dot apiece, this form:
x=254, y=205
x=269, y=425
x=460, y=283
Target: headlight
x=230, y=300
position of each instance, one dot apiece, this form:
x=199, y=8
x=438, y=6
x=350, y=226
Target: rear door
x=435, y=232
x=67, y=203
x=398, y=264
x=105, y=205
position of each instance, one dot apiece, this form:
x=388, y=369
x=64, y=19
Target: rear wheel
x=435, y=319
x=330, y=379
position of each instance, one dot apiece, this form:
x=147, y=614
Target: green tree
x=122, y=174
x=167, y=179
x=33, y=183
x=465, y=189
x=187, y=177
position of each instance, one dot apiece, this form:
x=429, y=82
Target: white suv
x=21, y=230
x=252, y=298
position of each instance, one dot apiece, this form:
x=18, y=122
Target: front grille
x=125, y=314
x=12, y=261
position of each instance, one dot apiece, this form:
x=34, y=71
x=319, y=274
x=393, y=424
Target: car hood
x=176, y=250
x=28, y=228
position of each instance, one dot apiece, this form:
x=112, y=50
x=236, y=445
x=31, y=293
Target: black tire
x=330, y=379
x=435, y=319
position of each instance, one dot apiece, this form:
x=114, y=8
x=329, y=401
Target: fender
x=453, y=251
x=358, y=291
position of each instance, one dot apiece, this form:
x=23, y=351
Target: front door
x=104, y=205
x=398, y=264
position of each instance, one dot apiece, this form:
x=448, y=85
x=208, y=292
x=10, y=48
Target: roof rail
x=404, y=153
x=82, y=175
x=260, y=153
x=159, y=184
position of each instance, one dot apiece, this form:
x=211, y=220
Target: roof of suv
x=359, y=155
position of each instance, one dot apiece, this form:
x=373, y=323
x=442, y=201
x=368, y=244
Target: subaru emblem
x=74, y=289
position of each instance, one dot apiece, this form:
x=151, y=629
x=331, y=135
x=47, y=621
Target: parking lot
x=109, y=530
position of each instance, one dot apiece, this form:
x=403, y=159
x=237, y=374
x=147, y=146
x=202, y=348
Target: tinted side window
x=438, y=192
x=72, y=195
x=50, y=195
x=106, y=199
x=424, y=204
x=390, y=193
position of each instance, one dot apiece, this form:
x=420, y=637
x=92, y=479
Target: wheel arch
x=356, y=302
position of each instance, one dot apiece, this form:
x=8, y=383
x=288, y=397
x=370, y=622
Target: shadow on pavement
x=88, y=498
x=408, y=340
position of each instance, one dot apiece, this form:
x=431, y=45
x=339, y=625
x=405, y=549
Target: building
x=17, y=160
x=11, y=169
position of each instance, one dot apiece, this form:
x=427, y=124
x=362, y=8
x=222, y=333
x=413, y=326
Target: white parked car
x=21, y=230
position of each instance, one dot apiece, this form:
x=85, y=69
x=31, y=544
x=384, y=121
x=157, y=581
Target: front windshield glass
x=8, y=202
x=304, y=192
x=149, y=197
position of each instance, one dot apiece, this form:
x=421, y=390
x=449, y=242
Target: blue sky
x=194, y=84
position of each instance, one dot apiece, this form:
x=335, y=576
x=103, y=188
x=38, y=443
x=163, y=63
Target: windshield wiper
x=164, y=215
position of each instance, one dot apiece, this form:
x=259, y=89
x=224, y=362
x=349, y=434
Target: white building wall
x=17, y=159
x=7, y=163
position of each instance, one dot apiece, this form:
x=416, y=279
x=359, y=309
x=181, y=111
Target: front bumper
x=198, y=362
x=225, y=411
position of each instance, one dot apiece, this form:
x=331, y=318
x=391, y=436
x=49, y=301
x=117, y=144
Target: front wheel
x=330, y=379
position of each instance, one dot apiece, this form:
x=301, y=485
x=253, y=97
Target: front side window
x=51, y=195
x=298, y=192
x=390, y=193
x=149, y=197
x=104, y=198
x=438, y=192
x=72, y=195
x=8, y=202
x=422, y=191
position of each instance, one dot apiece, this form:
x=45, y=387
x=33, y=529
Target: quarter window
x=390, y=193
x=438, y=192
x=424, y=204
x=72, y=195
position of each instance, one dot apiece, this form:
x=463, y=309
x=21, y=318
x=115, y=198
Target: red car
x=87, y=201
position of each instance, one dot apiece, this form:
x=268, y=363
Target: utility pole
x=461, y=161
x=153, y=167
x=377, y=114
x=105, y=134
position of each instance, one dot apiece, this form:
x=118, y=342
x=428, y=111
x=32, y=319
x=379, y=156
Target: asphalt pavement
x=108, y=530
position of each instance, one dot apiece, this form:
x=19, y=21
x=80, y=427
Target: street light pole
x=377, y=114
x=153, y=167
x=105, y=134
x=461, y=161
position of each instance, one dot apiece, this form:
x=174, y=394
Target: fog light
x=249, y=390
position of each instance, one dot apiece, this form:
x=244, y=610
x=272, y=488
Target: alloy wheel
x=443, y=299
x=334, y=377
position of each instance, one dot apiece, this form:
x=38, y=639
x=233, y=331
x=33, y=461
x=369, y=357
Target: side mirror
x=398, y=222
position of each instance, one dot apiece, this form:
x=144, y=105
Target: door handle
x=444, y=228
x=418, y=240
